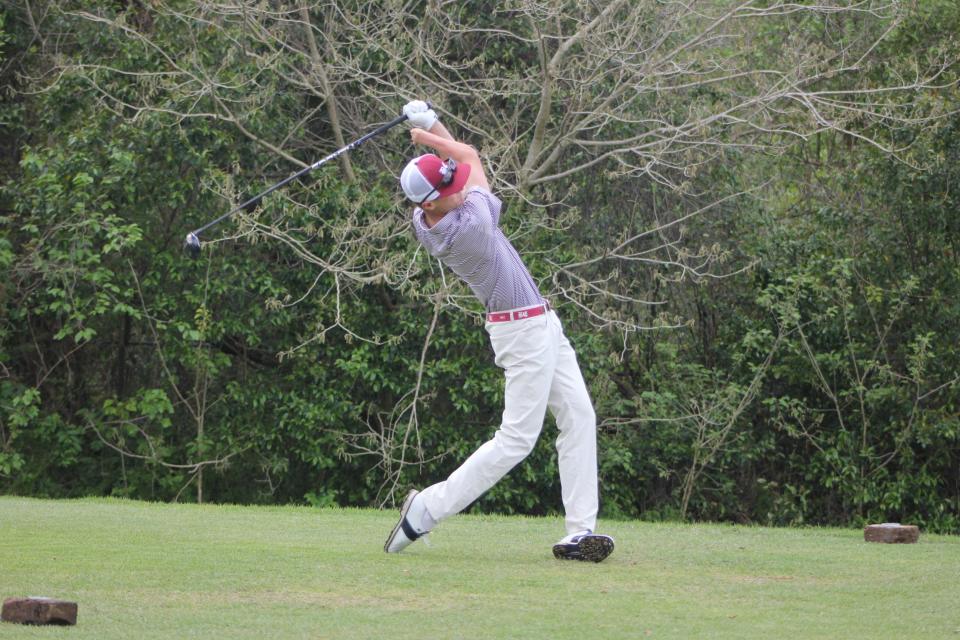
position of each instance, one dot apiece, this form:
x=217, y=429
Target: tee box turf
x=37, y=610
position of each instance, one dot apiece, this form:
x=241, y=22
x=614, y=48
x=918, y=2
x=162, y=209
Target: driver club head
x=192, y=245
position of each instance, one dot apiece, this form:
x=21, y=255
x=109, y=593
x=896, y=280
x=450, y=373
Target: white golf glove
x=420, y=114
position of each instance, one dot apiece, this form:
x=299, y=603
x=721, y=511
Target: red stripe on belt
x=519, y=314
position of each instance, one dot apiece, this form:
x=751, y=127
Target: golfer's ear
x=427, y=206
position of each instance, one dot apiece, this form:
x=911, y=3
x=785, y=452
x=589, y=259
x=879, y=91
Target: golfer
x=457, y=219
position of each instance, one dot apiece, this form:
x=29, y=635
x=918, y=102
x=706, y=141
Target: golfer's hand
x=418, y=135
x=420, y=114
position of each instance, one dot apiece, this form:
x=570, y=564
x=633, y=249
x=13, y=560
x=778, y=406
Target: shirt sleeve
x=485, y=204
x=496, y=206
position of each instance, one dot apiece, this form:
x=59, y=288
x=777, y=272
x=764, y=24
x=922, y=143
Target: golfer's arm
x=439, y=130
x=447, y=146
x=439, y=139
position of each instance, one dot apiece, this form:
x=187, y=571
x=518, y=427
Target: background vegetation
x=745, y=213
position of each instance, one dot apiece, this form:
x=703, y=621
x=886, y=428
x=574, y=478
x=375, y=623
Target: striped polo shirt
x=469, y=241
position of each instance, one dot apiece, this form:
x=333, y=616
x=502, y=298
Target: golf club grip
x=381, y=129
x=353, y=145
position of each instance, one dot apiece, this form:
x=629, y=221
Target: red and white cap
x=422, y=179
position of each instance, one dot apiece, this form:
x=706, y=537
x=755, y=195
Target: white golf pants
x=542, y=371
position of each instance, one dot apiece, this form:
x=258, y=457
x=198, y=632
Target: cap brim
x=459, y=179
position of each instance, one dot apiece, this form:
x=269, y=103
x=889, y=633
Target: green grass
x=142, y=570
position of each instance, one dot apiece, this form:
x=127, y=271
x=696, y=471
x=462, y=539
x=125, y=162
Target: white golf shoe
x=583, y=545
x=412, y=525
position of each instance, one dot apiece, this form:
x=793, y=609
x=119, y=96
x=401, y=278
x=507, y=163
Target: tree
x=638, y=147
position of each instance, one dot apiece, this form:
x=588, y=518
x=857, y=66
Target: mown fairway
x=142, y=570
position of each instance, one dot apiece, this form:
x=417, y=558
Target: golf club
x=192, y=242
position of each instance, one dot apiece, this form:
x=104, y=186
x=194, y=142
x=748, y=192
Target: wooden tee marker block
x=36, y=610
x=891, y=532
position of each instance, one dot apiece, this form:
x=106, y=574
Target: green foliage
x=819, y=387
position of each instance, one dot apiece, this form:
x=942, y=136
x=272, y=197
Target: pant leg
x=570, y=404
x=527, y=351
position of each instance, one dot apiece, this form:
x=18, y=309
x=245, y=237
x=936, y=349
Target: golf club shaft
x=353, y=145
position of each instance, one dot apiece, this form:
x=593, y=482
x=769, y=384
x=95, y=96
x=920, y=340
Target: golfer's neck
x=433, y=217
